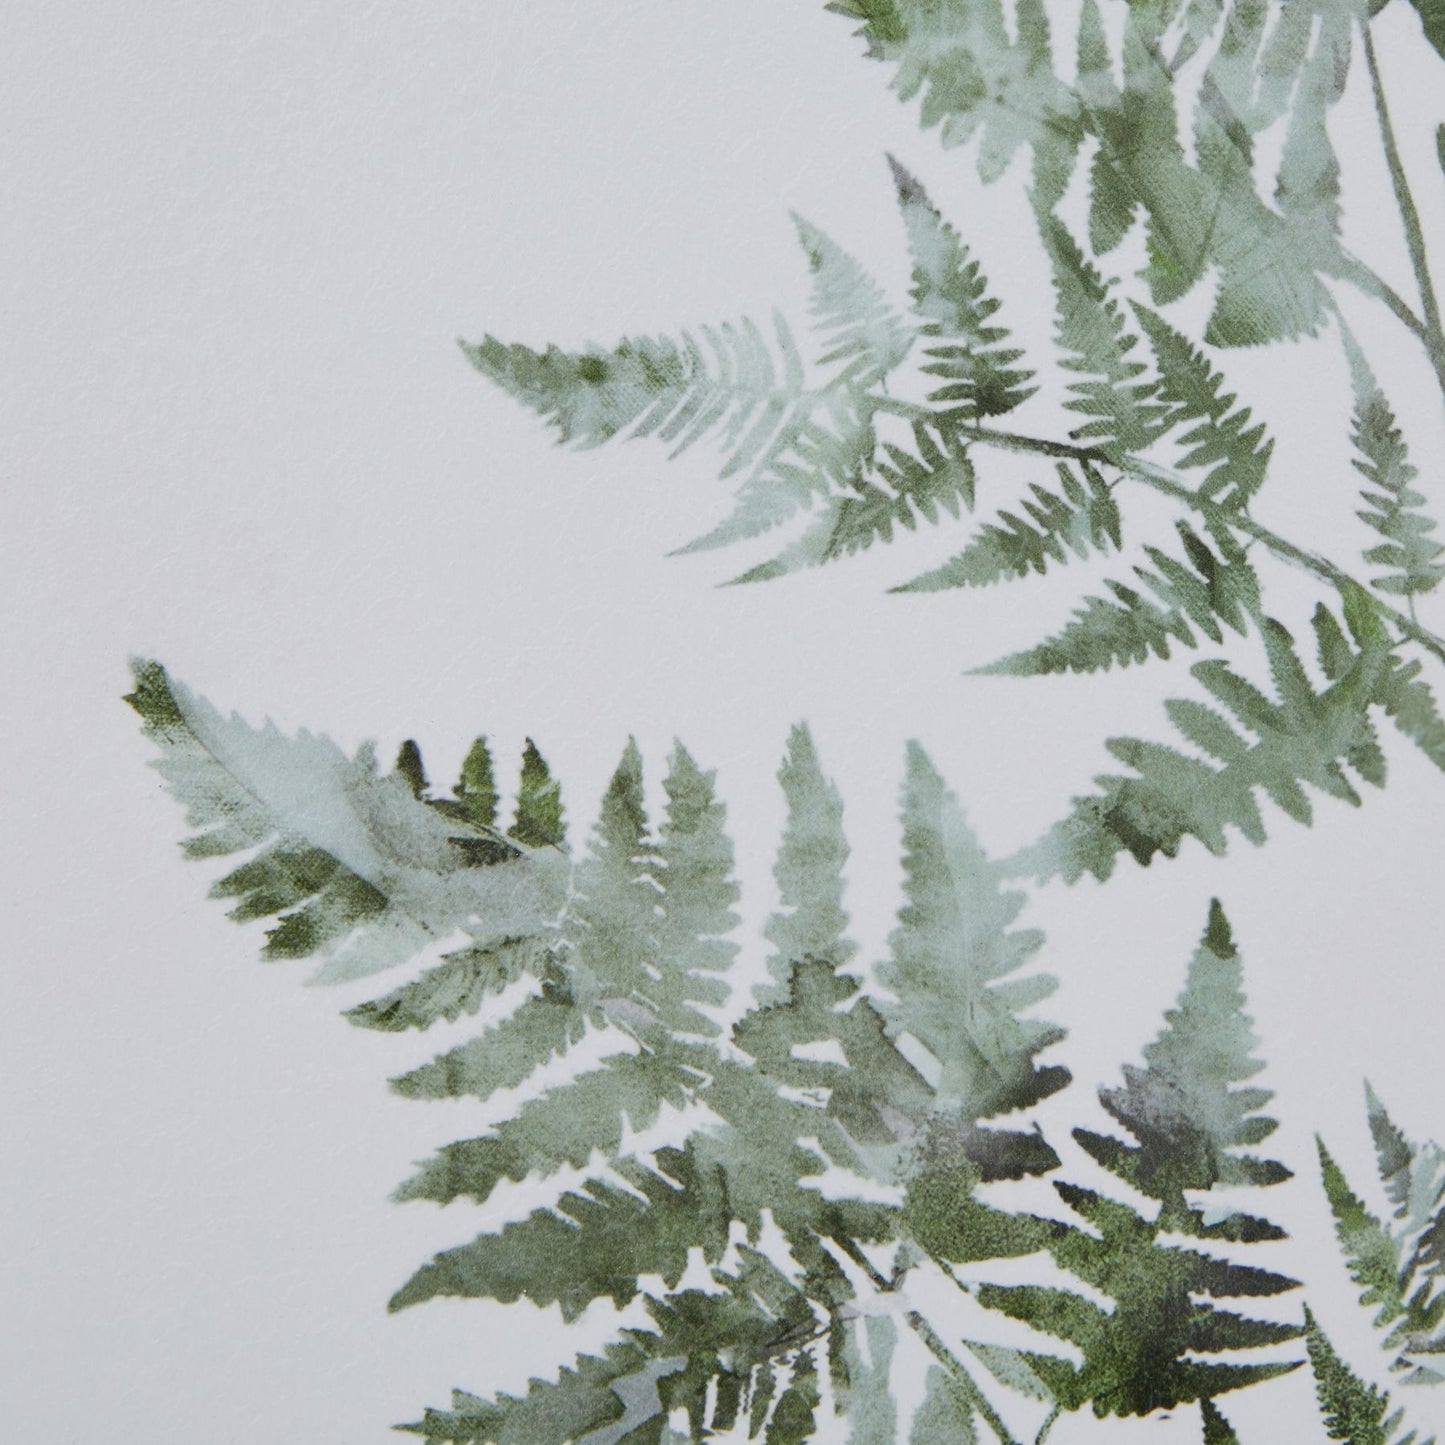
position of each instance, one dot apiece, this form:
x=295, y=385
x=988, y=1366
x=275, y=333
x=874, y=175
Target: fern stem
x=1162, y=480
x=1047, y=1426
x=933, y=1342
x=1367, y=280
x=1409, y=216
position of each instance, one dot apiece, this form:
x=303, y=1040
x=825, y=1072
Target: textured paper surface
x=241, y=243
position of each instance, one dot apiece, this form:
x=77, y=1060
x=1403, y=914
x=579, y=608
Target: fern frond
x=951, y=958
x=460, y=984
x=1185, y=1108
x=1149, y=1351
x=506, y=1054
x=1353, y=1410
x=357, y=871
x=1220, y=439
x=1304, y=738
x=1399, y=1264
x=592, y=1244
x=1394, y=509
x=562, y=1128
x=862, y=336
x=811, y=921
x=1080, y=518
x=861, y=511
x=1213, y=586
x=973, y=76
x=1126, y=415
x=952, y=298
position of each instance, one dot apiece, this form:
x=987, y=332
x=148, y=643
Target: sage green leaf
x=596, y=1399
x=1221, y=437
x=509, y=1052
x=862, y=337
x=1188, y=1108
x=459, y=985
x=951, y=297
x=1114, y=392
x=873, y=495
x=1353, y=1410
x=1305, y=736
x=946, y=1416
x=539, y=821
x=1211, y=586
x=1394, y=509
x=1432, y=21
x=358, y=872
x=973, y=77
x=1399, y=1262
x=1082, y=517
x=810, y=921
x=951, y=958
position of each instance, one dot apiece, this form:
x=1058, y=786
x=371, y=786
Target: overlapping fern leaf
x=1308, y=736
x=1398, y=1261
x=1271, y=238
x=834, y=1141
x=1189, y=1113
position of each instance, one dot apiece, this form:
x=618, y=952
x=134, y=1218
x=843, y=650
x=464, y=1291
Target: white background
x=239, y=243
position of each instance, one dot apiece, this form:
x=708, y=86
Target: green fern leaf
x=974, y=77
x=1399, y=1264
x=1125, y=413
x=1080, y=518
x=1222, y=440
x=951, y=957
x=562, y=1128
x=539, y=821
x=1213, y=586
x=1150, y=1350
x=358, y=872
x=1354, y=1411
x=811, y=921
x=1394, y=509
x=862, y=337
x=1185, y=1107
x=952, y=299
x=459, y=985
x=861, y=511
x=541, y=1028
x=1304, y=738
x=1217, y=1430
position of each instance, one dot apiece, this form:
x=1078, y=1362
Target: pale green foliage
x=1213, y=586
x=1354, y=1410
x=358, y=871
x=810, y=922
x=1114, y=390
x=1220, y=436
x=1188, y=1117
x=1305, y=736
x=1080, y=518
x=921, y=1092
x=1394, y=509
x=1267, y=61
x=1398, y=1262
x=951, y=298
x=952, y=956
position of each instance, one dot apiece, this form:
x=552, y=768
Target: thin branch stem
x=1047, y=1426
x=934, y=1344
x=1409, y=216
x=1170, y=484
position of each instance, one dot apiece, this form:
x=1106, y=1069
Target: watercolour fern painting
x=1078, y=491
